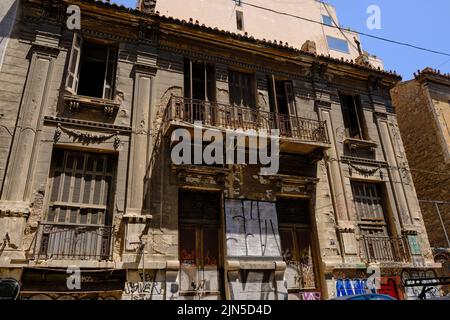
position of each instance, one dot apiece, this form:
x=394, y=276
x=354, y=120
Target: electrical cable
x=356, y=31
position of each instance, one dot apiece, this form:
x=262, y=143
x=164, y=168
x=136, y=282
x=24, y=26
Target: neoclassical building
x=88, y=181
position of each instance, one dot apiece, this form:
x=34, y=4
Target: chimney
x=147, y=6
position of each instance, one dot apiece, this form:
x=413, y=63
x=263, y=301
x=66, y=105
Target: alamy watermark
x=374, y=19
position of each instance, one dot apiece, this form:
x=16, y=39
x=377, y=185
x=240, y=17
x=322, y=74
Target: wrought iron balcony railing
x=386, y=249
x=232, y=117
x=74, y=242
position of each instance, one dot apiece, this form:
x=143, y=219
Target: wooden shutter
x=110, y=73
x=81, y=188
x=73, y=71
x=368, y=200
x=289, y=89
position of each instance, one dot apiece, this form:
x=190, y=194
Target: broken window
x=282, y=102
x=199, y=88
x=199, y=80
x=296, y=244
x=92, y=69
x=353, y=116
x=201, y=267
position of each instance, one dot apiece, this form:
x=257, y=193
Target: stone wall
x=417, y=108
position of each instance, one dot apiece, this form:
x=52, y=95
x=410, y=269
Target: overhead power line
x=337, y=27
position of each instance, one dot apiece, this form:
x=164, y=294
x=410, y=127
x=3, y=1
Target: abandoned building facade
x=423, y=107
x=87, y=120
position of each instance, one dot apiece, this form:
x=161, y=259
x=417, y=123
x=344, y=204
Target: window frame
x=76, y=61
x=240, y=20
x=331, y=40
x=294, y=228
x=80, y=205
x=357, y=109
x=252, y=94
x=327, y=20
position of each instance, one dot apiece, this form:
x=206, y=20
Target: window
x=242, y=89
x=353, y=116
x=199, y=218
x=296, y=244
x=82, y=185
x=296, y=165
x=240, y=20
x=369, y=201
x=199, y=80
x=78, y=222
x=284, y=102
x=92, y=69
x=327, y=20
x=338, y=44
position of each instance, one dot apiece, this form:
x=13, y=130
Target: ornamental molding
x=86, y=138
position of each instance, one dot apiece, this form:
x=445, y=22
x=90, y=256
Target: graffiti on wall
x=252, y=285
x=138, y=289
x=390, y=286
x=53, y=296
x=415, y=293
x=252, y=229
x=349, y=287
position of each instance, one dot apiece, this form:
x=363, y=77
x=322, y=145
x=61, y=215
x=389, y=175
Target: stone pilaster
x=16, y=193
x=140, y=137
x=396, y=180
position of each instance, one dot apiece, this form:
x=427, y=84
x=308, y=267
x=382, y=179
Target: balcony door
x=282, y=103
x=77, y=224
x=242, y=92
x=199, y=91
x=297, y=246
x=378, y=243
x=200, y=245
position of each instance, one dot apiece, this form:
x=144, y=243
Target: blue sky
x=422, y=23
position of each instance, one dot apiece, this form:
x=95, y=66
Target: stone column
x=140, y=138
x=395, y=178
x=336, y=178
x=17, y=188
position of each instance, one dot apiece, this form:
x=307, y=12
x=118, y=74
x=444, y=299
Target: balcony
x=293, y=130
x=74, y=242
x=386, y=249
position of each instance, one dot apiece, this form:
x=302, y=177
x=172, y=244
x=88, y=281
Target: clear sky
x=422, y=23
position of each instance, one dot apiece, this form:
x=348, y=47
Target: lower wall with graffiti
x=390, y=282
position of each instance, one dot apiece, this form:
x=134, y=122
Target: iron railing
x=386, y=249
x=74, y=242
x=233, y=117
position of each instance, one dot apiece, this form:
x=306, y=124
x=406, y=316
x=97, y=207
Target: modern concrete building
x=88, y=122
x=423, y=107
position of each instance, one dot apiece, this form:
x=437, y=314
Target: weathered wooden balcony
x=386, y=249
x=74, y=242
x=185, y=112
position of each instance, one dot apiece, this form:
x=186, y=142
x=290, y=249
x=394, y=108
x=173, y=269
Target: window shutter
x=291, y=98
x=74, y=64
x=110, y=73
